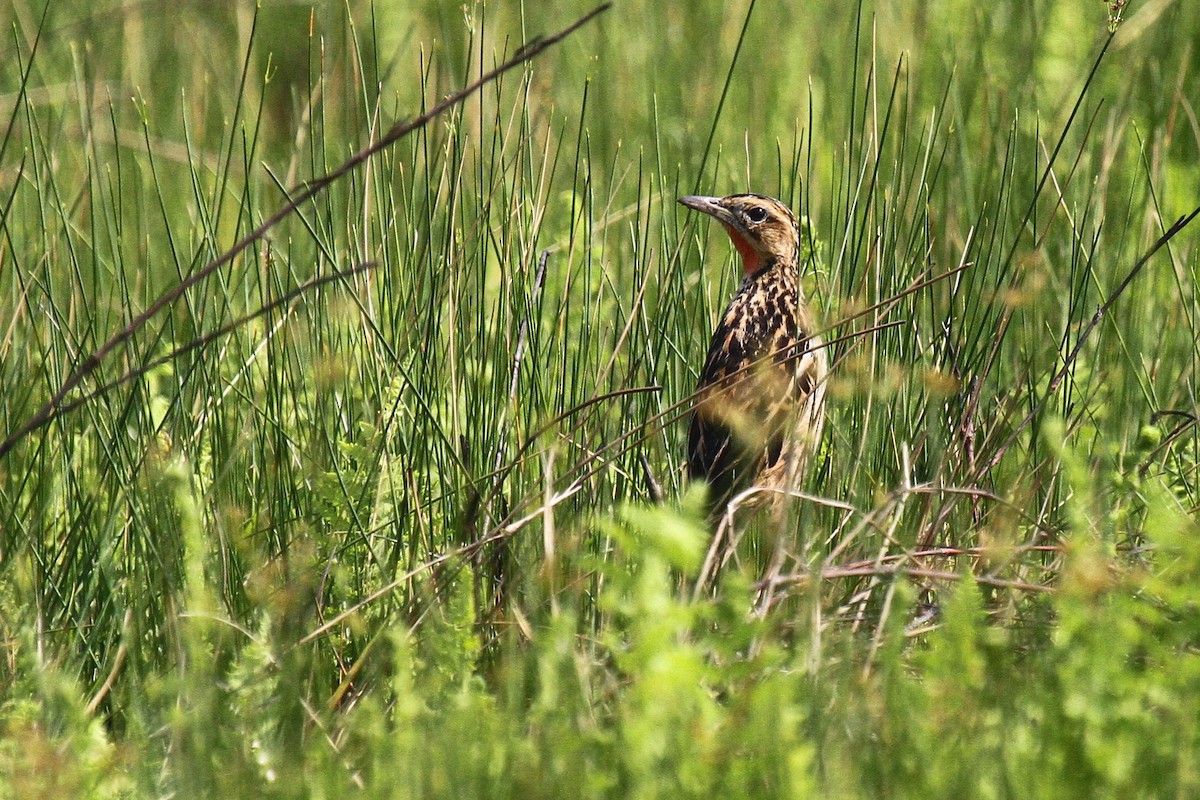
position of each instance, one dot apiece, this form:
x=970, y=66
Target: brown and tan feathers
x=762, y=388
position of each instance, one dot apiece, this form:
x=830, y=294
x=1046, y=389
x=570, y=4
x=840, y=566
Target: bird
x=760, y=400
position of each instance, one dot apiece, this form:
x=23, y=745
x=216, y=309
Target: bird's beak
x=709, y=205
x=712, y=206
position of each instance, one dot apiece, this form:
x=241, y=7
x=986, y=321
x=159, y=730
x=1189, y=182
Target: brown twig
x=874, y=570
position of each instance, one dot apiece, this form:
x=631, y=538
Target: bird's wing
x=747, y=407
x=712, y=453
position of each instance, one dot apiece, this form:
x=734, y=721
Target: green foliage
x=392, y=535
x=51, y=745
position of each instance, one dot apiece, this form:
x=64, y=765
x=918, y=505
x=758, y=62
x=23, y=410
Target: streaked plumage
x=761, y=399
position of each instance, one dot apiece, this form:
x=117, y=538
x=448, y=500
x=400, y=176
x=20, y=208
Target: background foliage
x=392, y=533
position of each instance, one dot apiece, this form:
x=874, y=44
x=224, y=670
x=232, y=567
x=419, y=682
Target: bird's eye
x=757, y=214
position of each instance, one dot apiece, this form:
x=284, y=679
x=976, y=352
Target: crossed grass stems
x=774, y=585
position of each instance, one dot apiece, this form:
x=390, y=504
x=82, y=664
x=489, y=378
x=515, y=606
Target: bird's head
x=763, y=230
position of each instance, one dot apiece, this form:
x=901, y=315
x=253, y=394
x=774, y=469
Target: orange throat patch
x=751, y=259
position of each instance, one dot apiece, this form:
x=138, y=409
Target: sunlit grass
x=354, y=512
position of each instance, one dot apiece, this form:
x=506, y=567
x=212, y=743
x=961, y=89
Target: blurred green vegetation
x=393, y=535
